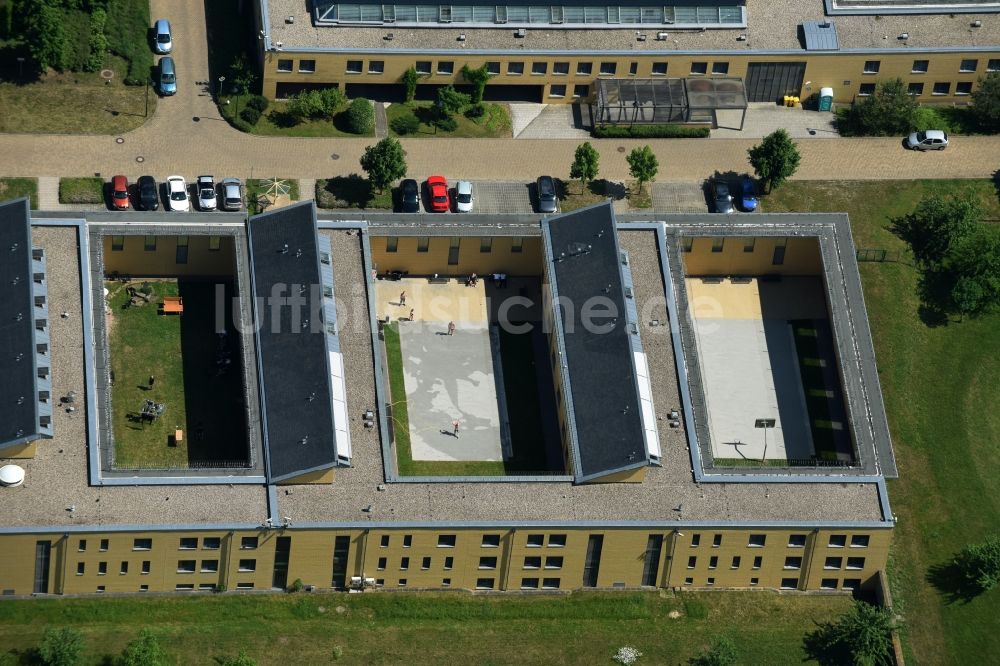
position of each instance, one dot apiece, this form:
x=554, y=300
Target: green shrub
x=407, y=124
x=928, y=117
x=258, y=102
x=98, y=40
x=322, y=103
x=61, y=647
x=475, y=111
x=296, y=585
x=360, y=116
x=126, y=28
x=649, y=132
x=446, y=124
x=250, y=114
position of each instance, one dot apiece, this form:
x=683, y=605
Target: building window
x=941, y=88
x=381, y=564
x=391, y=243
x=659, y=69
x=248, y=565
x=968, y=65
x=384, y=542
x=557, y=540
x=633, y=68
x=692, y=561
x=149, y=244
x=446, y=541
x=516, y=244
x=920, y=66
x=485, y=245
x=993, y=65
x=188, y=566
x=828, y=584
x=557, y=90
x=535, y=540
x=307, y=66
x=407, y=540
x=449, y=563
x=859, y=541
x=833, y=563
x=789, y=583
x=446, y=582
x=713, y=562
x=487, y=563
x=446, y=67
x=716, y=541
x=855, y=563
x=211, y=543
x=206, y=587
x=609, y=68
x=872, y=66
x=587, y=68
x=244, y=586
x=560, y=68
x=423, y=244
x=104, y=545
x=758, y=561
x=581, y=90
x=214, y=243
x=689, y=581
x=529, y=583
x=793, y=562
x=82, y=546
x=552, y=562
x=145, y=567
x=404, y=564
x=550, y=583
x=748, y=244
x=144, y=588
x=754, y=581
x=248, y=543
x=718, y=243
x=422, y=66
x=736, y=562
x=182, y=587
x=963, y=88
x=695, y=540
x=355, y=66
x=797, y=541
x=533, y=563
x=210, y=566
x=710, y=582
x=425, y=564
x=515, y=68
x=539, y=68
x=852, y=583
x=687, y=244
x=491, y=540
x=284, y=65
x=117, y=243
x=189, y=543
x=80, y=568
x=720, y=68
x=493, y=67
x=142, y=544
x=837, y=541
x=376, y=66
x=485, y=583
x=699, y=68
x=866, y=89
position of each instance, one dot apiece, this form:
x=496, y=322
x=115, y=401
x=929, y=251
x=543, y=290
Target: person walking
x=454, y=426
x=411, y=314
x=152, y=379
x=402, y=298
x=451, y=328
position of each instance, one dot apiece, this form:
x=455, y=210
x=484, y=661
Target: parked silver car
x=232, y=194
x=929, y=140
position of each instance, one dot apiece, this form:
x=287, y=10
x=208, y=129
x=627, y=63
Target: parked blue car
x=749, y=194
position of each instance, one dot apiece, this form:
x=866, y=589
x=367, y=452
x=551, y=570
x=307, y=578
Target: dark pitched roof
x=294, y=368
x=584, y=263
x=19, y=411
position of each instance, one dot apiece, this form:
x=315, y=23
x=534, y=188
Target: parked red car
x=119, y=192
x=438, y=187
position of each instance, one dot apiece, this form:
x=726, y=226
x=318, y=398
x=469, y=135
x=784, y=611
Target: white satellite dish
x=11, y=476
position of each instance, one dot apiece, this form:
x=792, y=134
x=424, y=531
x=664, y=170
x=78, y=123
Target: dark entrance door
x=282, y=550
x=341, y=545
x=592, y=564
x=771, y=81
x=43, y=550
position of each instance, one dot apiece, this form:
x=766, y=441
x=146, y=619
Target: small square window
x=718, y=244
x=210, y=566
x=860, y=541
x=487, y=563
x=446, y=541
x=446, y=582
x=833, y=563
x=659, y=69
x=307, y=66
x=485, y=244
x=713, y=562
x=376, y=66
x=186, y=566
x=515, y=68
x=485, y=583
x=587, y=68
x=963, y=88
x=699, y=68
x=720, y=68
x=392, y=245
x=828, y=584
x=993, y=65
x=189, y=543
x=754, y=581
x=355, y=66
x=837, y=541
x=689, y=581
x=407, y=540
x=248, y=565
x=692, y=561
x=757, y=540
x=852, y=583
x=425, y=564
x=404, y=564
x=535, y=540
x=206, y=587
x=557, y=540
x=633, y=68
x=144, y=588
x=284, y=65
x=142, y=544
x=560, y=68
x=533, y=563
x=384, y=541
x=553, y=562
x=550, y=583
x=244, y=586
x=101, y=588
x=789, y=583
x=529, y=583
x=609, y=68
x=248, y=543
x=381, y=563
x=557, y=90
x=793, y=562
x=449, y=563
x=797, y=541
x=581, y=90
x=117, y=243
x=710, y=582
x=211, y=543
x=872, y=66
x=380, y=581
x=493, y=67
x=446, y=67
x=491, y=541
x=968, y=65
x=716, y=541
x=539, y=68
x=749, y=244
x=866, y=89
x=920, y=66
x=855, y=563
x=941, y=88
x=422, y=66
x=695, y=540
x=104, y=545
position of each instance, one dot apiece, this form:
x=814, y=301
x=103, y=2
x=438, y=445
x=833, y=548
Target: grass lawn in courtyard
x=494, y=124
x=85, y=190
x=180, y=353
x=940, y=388
x=15, y=188
x=430, y=628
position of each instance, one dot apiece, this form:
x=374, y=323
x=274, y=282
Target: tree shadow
x=950, y=581
x=824, y=646
x=282, y=119
x=996, y=182
x=352, y=191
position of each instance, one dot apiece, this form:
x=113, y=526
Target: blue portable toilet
x=825, y=99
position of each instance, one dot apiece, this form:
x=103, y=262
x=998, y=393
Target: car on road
x=232, y=194
x=206, y=193
x=438, y=188
x=163, y=39
x=547, y=201
x=929, y=140
x=177, y=194
x=168, y=77
x=748, y=194
x=464, y=197
x=119, y=192
x=409, y=196
x=149, y=196
x=721, y=197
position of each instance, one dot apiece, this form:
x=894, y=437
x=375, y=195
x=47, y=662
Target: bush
x=296, y=585
x=61, y=647
x=258, y=102
x=475, y=111
x=250, y=114
x=649, y=132
x=361, y=117
x=980, y=563
x=125, y=29
x=446, y=124
x=889, y=111
x=322, y=103
x=408, y=124
x=98, y=41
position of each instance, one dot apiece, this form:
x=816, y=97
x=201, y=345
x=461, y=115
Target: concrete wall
x=133, y=259
x=844, y=72
x=471, y=259
x=802, y=257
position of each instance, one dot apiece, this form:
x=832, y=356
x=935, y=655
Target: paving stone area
x=495, y=198
x=680, y=197
x=765, y=117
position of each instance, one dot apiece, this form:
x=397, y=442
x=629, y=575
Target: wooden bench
x=173, y=305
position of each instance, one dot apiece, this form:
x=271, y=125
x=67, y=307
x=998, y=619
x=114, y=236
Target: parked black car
x=149, y=196
x=409, y=195
x=547, y=202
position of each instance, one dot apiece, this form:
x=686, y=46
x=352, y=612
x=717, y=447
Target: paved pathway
x=381, y=122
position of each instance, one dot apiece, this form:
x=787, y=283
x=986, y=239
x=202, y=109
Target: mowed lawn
x=940, y=386
x=431, y=628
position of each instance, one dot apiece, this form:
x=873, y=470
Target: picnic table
x=173, y=305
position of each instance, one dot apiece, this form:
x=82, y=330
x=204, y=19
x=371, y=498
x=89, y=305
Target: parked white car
x=177, y=194
x=463, y=197
x=929, y=140
x=206, y=193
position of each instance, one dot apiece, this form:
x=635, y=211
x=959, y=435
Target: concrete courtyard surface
x=766, y=117
x=433, y=305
